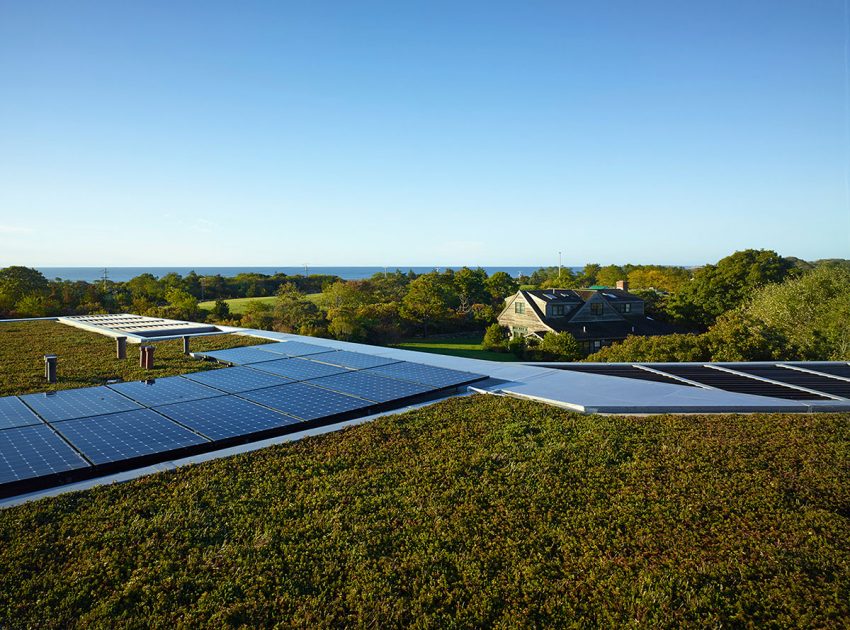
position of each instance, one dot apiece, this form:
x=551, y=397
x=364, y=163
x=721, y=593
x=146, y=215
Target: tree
x=673, y=348
x=495, y=338
x=609, y=275
x=293, y=312
x=221, y=309
x=716, y=289
x=181, y=303
x=258, y=315
x=471, y=288
x=500, y=285
x=18, y=282
x=556, y=347
x=428, y=301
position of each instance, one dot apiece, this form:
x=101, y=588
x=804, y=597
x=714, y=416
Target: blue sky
x=438, y=133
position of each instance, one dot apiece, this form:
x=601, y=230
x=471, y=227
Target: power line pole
x=104, y=279
x=559, y=266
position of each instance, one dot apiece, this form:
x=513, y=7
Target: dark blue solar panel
x=353, y=359
x=14, y=413
x=164, y=391
x=35, y=451
x=239, y=356
x=221, y=418
x=237, y=379
x=305, y=401
x=372, y=386
x=78, y=403
x=299, y=369
x=119, y=436
x=427, y=374
x=294, y=348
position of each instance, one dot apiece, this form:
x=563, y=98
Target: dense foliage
x=475, y=512
x=87, y=359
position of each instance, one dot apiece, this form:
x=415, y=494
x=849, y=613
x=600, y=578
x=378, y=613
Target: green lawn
x=238, y=305
x=474, y=512
x=87, y=359
x=468, y=346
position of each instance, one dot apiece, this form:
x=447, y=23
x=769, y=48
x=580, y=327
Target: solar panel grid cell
x=839, y=369
x=372, y=386
x=801, y=379
x=240, y=356
x=344, y=358
x=237, y=379
x=734, y=383
x=294, y=348
x=35, y=451
x=305, y=401
x=14, y=413
x=68, y=404
x=164, y=391
x=299, y=369
x=427, y=374
x=120, y=436
x=223, y=418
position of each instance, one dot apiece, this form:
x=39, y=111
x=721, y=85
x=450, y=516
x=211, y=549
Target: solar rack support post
x=146, y=357
x=50, y=367
x=121, y=347
x=186, y=344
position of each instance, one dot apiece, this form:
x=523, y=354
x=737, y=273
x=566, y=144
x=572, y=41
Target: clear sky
x=433, y=133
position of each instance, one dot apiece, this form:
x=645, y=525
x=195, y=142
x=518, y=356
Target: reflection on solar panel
x=836, y=369
x=237, y=379
x=801, y=379
x=372, y=386
x=305, y=401
x=222, y=418
x=299, y=369
x=348, y=359
x=35, y=451
x=239, y=356
x=120, y=436
x=294, y=348
x=427, y=374
x=739, y=384
x=164, y=391
x=624, y=371
x=78, y=403
x=14, y=413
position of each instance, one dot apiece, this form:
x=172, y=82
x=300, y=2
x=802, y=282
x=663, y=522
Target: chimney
x=623, y=285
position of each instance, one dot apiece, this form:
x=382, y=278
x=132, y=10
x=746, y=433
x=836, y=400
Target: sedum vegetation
x=473, y=512
x=88, y=359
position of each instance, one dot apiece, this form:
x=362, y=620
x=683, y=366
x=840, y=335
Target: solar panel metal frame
x=165, y=391
x=237, y=379
x=298, y=369
x=374, y=387
x=308, y=402
x=27, y=465
x=228, y=419
x=353, y=360
x=71, y=404
x=439, y=377
x=129, y=436
x=14, y=413
x=294, y=348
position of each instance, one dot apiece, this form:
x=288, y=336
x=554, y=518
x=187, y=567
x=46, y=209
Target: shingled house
x=595, y=317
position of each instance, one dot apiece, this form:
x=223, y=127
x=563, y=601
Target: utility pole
x=306, y=270
x=104, y=279
x=559, y=266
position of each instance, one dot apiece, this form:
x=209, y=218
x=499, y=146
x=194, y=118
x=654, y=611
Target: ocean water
x=122, y=274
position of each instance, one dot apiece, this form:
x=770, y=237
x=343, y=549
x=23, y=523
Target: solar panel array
x=790, y=381
x=55, y=437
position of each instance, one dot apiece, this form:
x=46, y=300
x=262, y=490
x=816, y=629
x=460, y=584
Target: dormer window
x=596, y=308
x=557, y=309
x=519, y=308
x=627, y=308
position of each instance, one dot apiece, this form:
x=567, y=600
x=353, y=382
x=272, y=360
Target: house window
x=597, y=344
x=557, y=309
x=627, y=308
x=596, y=308
x=519, y=307
x=519, y=331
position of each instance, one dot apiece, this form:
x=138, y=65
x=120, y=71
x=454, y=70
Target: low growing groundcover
x=475, y=511
x=87, y=359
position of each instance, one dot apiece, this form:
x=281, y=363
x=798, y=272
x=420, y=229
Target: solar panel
x=239, y=356
x=294, y=348
x=78, y=403
x=427, y=374
x=237, y=379
x=299, y=369
x=305, y=401
x=624, y=371
x=734, y=383
x=164, y=391
x=35, y=451
x=796, y=377
x=120, y=436
x=836, y=369
x=356, y=360
x=372, y=386
x=222, y=418
x=14, y=413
